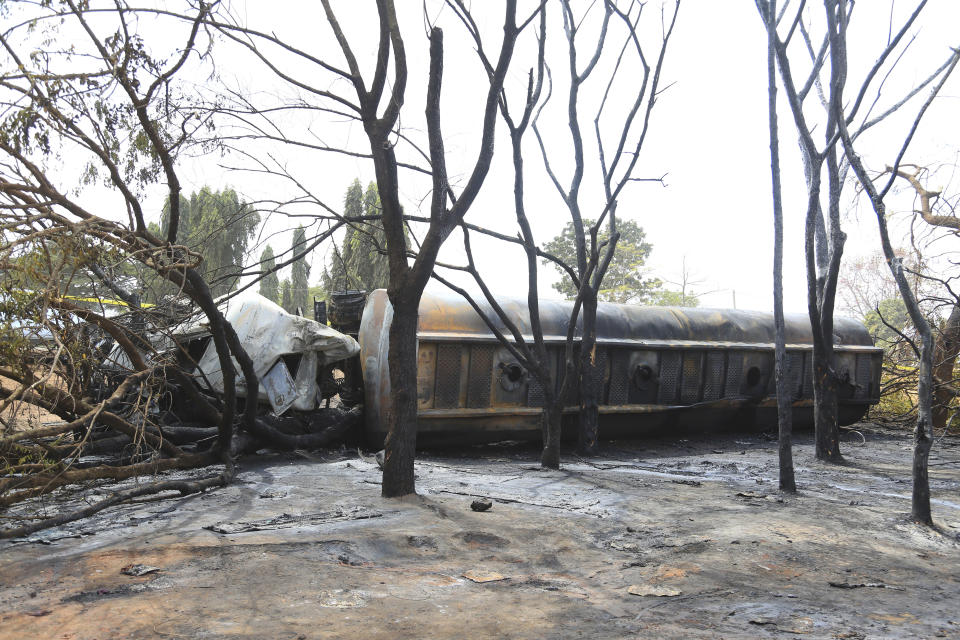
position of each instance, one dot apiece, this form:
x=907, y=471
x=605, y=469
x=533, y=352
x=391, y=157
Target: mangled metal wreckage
x=661, y=368
x=289, y=353
x=293, y=357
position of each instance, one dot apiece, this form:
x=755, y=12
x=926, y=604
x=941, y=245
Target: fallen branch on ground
x=185, y=487
x=41, y=483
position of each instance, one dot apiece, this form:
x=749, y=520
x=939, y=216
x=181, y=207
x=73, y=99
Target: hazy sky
x=708, y=135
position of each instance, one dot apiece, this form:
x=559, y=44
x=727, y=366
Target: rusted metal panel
x=713, y=376
x=480, y=377
x=808, y=375
x=426, y=375
x=757, y=373
x=863, y=376
x=535, y=395
x=876, y=372
x=572, y=397
x=448, y=376
x=692, y=384
x=795, y=374
x=601, y=372
x=464, y=375
x=620, y=374
x=669, y=377
x=734, y=375
x=651, y=362
x=846, y=367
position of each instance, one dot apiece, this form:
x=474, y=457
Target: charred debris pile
x=104, y=397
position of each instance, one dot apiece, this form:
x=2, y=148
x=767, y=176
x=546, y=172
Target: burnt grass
x=694, y=524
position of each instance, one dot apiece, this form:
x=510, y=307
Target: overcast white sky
x=709, y=135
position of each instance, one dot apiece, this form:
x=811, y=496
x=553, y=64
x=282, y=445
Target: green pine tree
x=286, y=299
x=361, y=262
x=299, y=275
x=218, y=225
x=270, y=283
x=624, y=281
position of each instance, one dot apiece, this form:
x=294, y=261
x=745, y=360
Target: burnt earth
x=694, y=526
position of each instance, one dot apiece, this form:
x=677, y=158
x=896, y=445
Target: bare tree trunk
x=536, y=358
x=550, y=422
x=826, y=417
x=923, y=434
x=784, y=393
x=218, y=330
x=594, y=258
x=825, y=412
x=826, y=434
x=826, y=423
x=401, y=443
x=591, y=378
x=920, y=497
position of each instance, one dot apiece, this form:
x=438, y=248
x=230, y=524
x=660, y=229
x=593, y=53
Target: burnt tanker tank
x=662, y=368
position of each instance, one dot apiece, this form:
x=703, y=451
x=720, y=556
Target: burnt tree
x=627, y=131
x=823, y=245
x=570, y=378
x=923, y=436
x=787, y=481
x=120, y=113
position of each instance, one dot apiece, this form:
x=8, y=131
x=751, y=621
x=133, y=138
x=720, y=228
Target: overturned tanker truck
x=662, y=369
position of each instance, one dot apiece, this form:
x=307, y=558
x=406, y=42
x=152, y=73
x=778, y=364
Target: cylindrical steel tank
x=661, y=367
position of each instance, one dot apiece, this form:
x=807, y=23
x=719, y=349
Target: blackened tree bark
x=923, y=436
x=826, y=378
x=824, y=251
x=787, y=482
x=535, y=358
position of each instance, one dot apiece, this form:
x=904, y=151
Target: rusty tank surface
x=663, y=369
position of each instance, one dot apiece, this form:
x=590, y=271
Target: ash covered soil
x=657, y=538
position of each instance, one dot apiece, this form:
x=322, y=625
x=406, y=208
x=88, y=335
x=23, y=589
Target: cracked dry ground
x=559, y=555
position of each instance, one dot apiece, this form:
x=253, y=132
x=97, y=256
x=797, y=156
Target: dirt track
x=697, y=520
